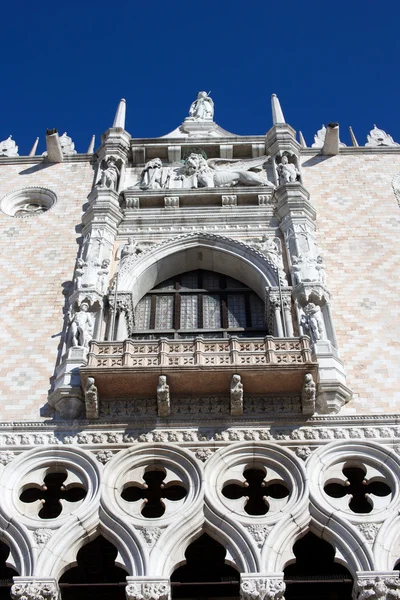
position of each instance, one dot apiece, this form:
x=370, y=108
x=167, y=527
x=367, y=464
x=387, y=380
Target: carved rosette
x=377, y=585
x=262, y=587
x=34, y=589
x=147, y=589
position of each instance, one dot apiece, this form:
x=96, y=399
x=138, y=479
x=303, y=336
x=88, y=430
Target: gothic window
x=200, y=303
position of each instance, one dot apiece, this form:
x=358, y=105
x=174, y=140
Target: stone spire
x=119, y=120
x=277, y=114
x=34, y=147
x=302, y=140
x=353, y=137
x=90, y=150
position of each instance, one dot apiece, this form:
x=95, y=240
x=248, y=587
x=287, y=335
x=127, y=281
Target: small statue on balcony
x=287, y=171
x=82, y=327
x=163, y=398
x=311, y=321
x=91, y=399
x=236, y=396
x=308, y=394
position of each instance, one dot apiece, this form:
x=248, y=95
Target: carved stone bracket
x=262, y=586
x=376, y=585
x=148, y=588
x=33, y=588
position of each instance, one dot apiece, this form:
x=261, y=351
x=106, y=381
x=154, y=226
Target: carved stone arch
x=339, y=525
x=387, y=544
x=197, y=251
x=280, y=465
x=21, y=556
x=178, y=541
x=128, y=467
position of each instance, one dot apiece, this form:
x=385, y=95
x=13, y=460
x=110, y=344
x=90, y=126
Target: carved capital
x=147, y=588
x=32, y=588
x=377, y=585
x=259, y=586
x=123, y=303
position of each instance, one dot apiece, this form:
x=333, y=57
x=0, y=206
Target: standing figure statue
x=163, y=398
x=311, y=320
x=82, y=327
x=320, y=266
x=287, y=171
x=236, y=395
x=109, y=174
x=202, y=108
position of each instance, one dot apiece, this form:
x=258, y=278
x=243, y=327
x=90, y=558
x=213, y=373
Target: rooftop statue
x=378, y=137
x=203, y=108
x=67, y=145
x=8, y=147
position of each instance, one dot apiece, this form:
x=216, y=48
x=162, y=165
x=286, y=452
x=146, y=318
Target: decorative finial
x=277, y=114
x=302, y=140
x=34, y=147
x=119, y=120
x=353, y=137
x=90, y=150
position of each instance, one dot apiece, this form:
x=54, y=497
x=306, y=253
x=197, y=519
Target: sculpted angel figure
x=216, y=172
x=202, y=108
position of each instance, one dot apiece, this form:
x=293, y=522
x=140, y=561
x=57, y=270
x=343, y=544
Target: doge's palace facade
x=200, y=365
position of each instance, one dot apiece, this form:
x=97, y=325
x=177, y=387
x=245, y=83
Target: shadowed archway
x=315, y=574
x=205, y=574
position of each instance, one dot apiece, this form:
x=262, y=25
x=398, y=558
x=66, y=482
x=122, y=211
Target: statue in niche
x=82, y=327
x=221, y=172
x=8, y=147
x=91, y=399
x=109, y=174
x=153, y=176
x=308, y=394
x=378, y=137
x=67, y=145
x=202, y=108
x=311, y=321
x=236, y=395
x=320, y=267
x=163, y=399
x=287, y=171
x=103, y=275
x=129, y=249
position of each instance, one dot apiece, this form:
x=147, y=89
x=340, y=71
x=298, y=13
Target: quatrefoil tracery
x=260, y=495
x=153, y=493
x=358, y=492
x=51, y=493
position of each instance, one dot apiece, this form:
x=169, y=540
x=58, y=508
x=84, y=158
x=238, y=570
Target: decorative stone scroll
x=258, y=586
x=147, y=588
x=378, y=138
x=32, y=588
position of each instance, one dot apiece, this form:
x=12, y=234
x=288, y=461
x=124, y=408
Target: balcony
x=199, y=366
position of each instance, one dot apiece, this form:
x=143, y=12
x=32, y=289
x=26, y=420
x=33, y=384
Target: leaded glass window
x=200, y=303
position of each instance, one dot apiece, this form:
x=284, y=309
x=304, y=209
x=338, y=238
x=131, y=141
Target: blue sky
x=67, y=64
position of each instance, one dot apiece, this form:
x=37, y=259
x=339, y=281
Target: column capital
x=376, y=585
x=148, y=588
x=262, y=586
x=35, y=588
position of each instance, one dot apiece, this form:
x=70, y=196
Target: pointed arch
x=195, y=251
